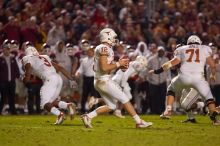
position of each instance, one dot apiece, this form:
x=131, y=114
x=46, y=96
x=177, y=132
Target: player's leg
x=116, y=93
x=93, y=101
x=111, y=92
x=71, y=107
x=49, y=95
x=117, y=111
x=110, y=105
x=172, y=90
x=189, y=102
x=169, y=103
x=204, y=90
x=102, y=87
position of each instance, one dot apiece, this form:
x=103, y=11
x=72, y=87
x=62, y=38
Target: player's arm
x=109, y=67
x=59, y=68
x=27, y=74
x=166, y=66
x=74, y=66
x=212, y=65
x=79, y=70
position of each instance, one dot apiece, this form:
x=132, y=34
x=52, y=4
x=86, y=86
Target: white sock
x=136, y=118
x=62, y=105
x=92, y=114
x=168, y=107
x=118, y=111
x=55, y=111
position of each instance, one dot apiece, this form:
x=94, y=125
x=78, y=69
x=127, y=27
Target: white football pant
x=110, y=91
x=51, y=89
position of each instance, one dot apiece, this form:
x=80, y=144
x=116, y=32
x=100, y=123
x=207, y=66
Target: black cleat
x=213, y=115
x=189, y=121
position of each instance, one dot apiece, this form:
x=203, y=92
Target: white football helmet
x=193, y=39
x=108, y=35
x=84, y=44
x=142, y=60
x=31, y=51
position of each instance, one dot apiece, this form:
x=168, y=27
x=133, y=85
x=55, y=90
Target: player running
x=44, y=68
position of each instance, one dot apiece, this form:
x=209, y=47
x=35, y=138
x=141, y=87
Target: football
x=124, y=57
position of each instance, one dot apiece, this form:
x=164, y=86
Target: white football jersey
x=193, y=58
x=102, y=50
x=41, y=65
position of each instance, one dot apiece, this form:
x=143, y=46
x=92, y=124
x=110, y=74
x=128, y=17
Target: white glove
x=73, y=84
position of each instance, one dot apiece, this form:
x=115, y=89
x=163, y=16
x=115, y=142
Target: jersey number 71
x=191, y=53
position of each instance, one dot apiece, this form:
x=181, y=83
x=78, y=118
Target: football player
x=44, y=68
x=108, y=89
x=192, y=58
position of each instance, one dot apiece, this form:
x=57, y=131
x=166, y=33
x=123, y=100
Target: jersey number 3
x=46, y=62
x=192, y=52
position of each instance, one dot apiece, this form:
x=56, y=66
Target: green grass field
x=108, y=131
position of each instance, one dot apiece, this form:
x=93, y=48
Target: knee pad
x=189, y=99
x=170, y=93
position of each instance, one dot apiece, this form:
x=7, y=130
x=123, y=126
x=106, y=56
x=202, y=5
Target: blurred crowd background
x=67, y=31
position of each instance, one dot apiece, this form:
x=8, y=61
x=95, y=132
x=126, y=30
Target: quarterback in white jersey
x=44, y=68
x=192, y=58
x=109, y=89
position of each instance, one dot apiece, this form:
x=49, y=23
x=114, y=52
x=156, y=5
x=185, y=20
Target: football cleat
x=118, y=114
x=166, y=115
x=71, y=109
x=143, y=124
x=60, y=119
x=213, y=115
x=189, y=121
x=87, y=121
x=216, y=123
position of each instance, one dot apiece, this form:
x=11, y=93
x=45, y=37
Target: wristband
x=158, y=71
